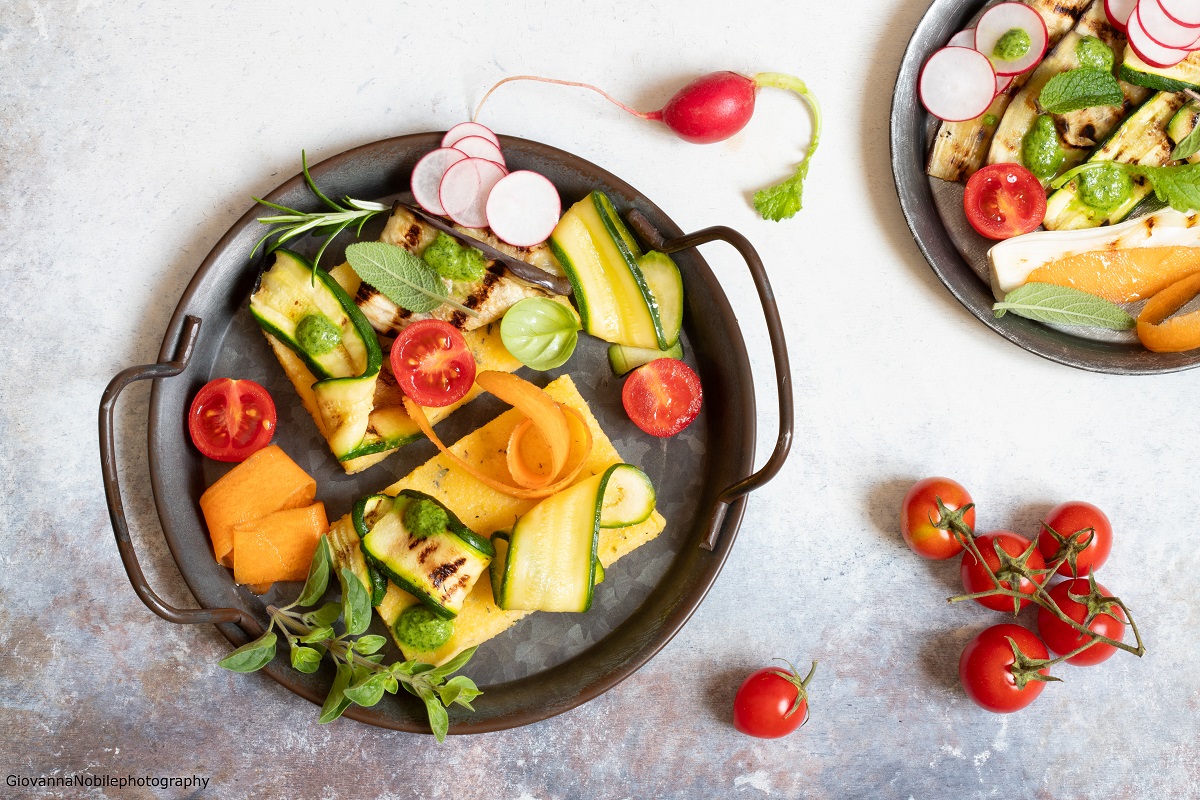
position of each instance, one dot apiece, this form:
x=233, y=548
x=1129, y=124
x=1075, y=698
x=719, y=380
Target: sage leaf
x=1062, y=305
x=305, y=659
x=251, y=656
x=439, y=720
x=453, y=665
x=403, y=278
x=540, y=333
x=369, y=691
x=369, y=644
x=324, y=616
x=1189, y=145
x=356, y=603
x=318, y=574
x=336, y=701
x=1080, y=88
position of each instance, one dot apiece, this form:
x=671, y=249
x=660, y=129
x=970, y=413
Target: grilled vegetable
x=1184, y=75
x=1140, y=139
x=959, y=148
x=1181, y=126
x=438, y=569
x=624, y=359
x=345, y=547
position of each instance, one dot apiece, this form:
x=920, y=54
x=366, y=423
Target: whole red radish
x=712, y=108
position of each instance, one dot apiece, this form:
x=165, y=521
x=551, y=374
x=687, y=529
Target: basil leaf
x=453, y=665
x=368, y=644
x=1046, y=302
x=318, y=574
x=1178, y=187
x=403, y=278
x=251, y=656
x=305, y=659
x=324, y=616
x=439, y=720
x=540, y=333
x=368, y=692
x=336, y=701
x=1080, y=88
x=356, y=603
x=1189, y=145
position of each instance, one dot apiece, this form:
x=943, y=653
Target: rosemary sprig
x=293, y=222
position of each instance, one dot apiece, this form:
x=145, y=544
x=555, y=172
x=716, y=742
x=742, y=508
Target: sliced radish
x=1003, y=82
x=1149, y=50
x=523, y=208
x=999, y=20
x=1164, y=30
x=464, y=129
x=962, y=39
x=479, y=147
x=1118, y=12
x=1185, y=12
x=465, y=188
x=427, y=177
x=957, y=84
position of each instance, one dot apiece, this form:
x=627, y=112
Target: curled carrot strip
x=542, y=411
x=581, y=447
x=1178, y=333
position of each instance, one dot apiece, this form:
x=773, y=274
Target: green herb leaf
x=439, y=720
x=1189, y=145
x=1046, y=302
x=319, y=635
x=356, y=603
x=369, y=691
x=402, y=277
x=324, y=616
x=1080, y=88
x=1178, y=187
x=369, y=644
x=453, y=665
x=540, y=333
x=318, y=574
x=336, y=701
x=305, y=659
x=459, y=689
x=251, y=656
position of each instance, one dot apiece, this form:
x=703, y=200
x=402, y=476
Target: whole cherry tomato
x=772, y=702
x=919, y=512
x=1062, y=638
x=1017, y=550
x=986, y=672
x=1067, y=520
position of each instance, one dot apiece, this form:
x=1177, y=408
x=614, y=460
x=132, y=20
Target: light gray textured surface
x=131, y=136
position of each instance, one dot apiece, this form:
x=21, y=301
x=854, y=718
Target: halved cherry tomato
x=230, y=420
x=976, y=579
x=919, y=512
x=432, y=363
x=985, y=668
x=662, y=397
x=1004, y=200
x=1062, y=638
x=1071, y=518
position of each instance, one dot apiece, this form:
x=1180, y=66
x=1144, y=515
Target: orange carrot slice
x=1121, y=276
x=1178, y=333
x=543, y=412
x=279, y=546
x=264, y=483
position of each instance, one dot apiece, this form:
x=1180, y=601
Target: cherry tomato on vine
x=229, y=420
x=976, y=579
x=772, y=702
x=1062, y=638
x=1069, y=518
x=919, y=512
x=432, y=363
x=1004, y=200
x=985, y=668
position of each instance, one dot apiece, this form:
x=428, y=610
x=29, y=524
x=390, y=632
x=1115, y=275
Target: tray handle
x=783, y=370
x=112, y=490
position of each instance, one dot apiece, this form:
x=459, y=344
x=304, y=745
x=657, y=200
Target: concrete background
x=132, y=135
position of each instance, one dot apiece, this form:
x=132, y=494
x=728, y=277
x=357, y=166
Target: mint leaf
x=1189, y=145
x=1080, y=88
x=1178, y=187
x=318, y=575
x=251, y=656
x=1061, y=305
x=403, y=278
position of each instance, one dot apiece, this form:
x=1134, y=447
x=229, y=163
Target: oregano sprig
x=362, y=678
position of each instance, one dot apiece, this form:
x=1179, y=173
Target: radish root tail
x=650, y=115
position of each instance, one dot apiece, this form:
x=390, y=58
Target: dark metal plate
x=547, y=663
x=955, y=252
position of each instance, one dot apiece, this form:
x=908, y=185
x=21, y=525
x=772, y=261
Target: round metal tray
x=955, y=252
x=547, y=663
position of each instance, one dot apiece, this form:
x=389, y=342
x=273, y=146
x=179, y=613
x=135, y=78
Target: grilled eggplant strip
x=959, y=148
x=1078, y=131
